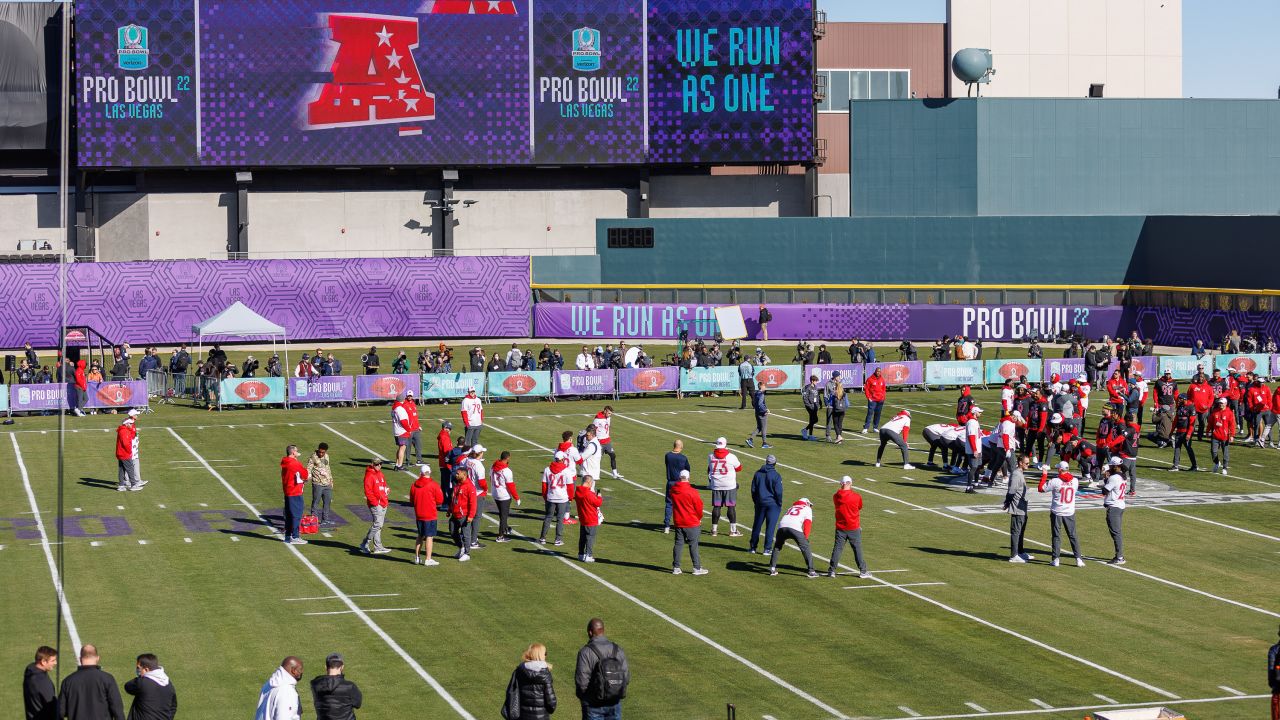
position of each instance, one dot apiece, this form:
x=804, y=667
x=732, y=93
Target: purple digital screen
x=436, y=82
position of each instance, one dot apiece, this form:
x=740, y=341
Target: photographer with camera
x=273, y=366
x=1034, y=351
x=250, y=368
x=941, y=350
x=907, y=350
x=401, y=364
x=370, y=362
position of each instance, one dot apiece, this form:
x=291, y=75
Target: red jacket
x=848, y=510
x=293, y=477
x=1201, y=396
x=873, y=388
x=411, y=408
x=686, y=506
x=444, y=443
x=1117, y=390
x=375, y=487
x=81, y=381
x=1259, y=398
x=1275, y=401
x=425, y=496
x=126, y=434
x=1222, y=424
x=463, y=503
x=588, y=507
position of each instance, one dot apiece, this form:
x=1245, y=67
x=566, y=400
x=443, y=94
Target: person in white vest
x=795, y=525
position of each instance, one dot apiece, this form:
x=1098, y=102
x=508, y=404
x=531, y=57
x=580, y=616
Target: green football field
x=191, y=570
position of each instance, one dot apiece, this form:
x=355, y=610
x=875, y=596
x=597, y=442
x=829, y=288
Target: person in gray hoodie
x=153, y=695
x=766, y=497
x=278, y=699
x=1015, y=503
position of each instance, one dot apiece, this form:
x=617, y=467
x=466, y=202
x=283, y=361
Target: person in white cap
x=410, y=406
x=476, y=470
x=896, y=431
x=558, y=479
x=795, y=525
x=472, y=417
x=129, y=466
x=848, y=527
x=1116, y=486
x=973, y=447
x=722, y=477
x=1062, y=509
x=401, y=429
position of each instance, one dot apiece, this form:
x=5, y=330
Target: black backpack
x=608, y=684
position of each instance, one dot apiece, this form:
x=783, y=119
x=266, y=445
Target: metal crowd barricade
x=158, y=387
x=207, y=391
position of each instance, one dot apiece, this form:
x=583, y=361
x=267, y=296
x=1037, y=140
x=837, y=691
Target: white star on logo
x=393, y=60
x=403, y=78
x=493, y=6
x=384, y=37
x=410, y=104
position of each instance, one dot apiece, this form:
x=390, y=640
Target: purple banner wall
x=330, y=388
x=1066, y=368
x=910, y=372
x=1148, y=366
x=1275, y=366
x=654, y=379
x=385, y=387
x=583, y=382
x=158, y=302
x=119, y=394
x=850, y=375
x=27, y=398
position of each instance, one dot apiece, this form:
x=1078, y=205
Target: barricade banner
x=251, y=391
x=584, y=382
x=1183, y=367
x=384, y=387
x=906, y=372
x=1275, y=366
x=1148, y=365
x=953, y=372
x=643, y=380
x=1064, y=368
x=40, y=396
x=4, y=398
x=451, y=385
x=519, y=383
x=1243, y=363
x=1000, y=370
x=779, y=377
x=116, y=394
x=850, y=374
x=327, y=388
x=709, y=379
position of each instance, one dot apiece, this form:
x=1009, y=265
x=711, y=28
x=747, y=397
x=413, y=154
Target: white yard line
x=1214, y=522
x=948, y=608
x=1106, y=699
x=1041, y=704
x=909, y=711
x=976, y=707
x=349, y=612
x=338, y=597
x=642, y=604
x=891, y=585
x=1042, y=711
x=1233, y=691
x=333, y=588
x=48, y=551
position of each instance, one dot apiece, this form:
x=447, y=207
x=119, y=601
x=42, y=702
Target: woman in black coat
x=531, y=689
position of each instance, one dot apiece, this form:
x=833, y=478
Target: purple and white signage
x=665, y=378
x=328, y=388
x=850, y=375
x=1065, y=368
x=908, y=372
x=117, y=394
x=38, y=397
x=584, y=382
x=1147, y=365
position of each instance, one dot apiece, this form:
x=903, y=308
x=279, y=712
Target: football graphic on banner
x=649, y=378
x=1013, y=370
x=771, y=378
x=253, y=390
x=114, y=394
x=388, y=387
x=519, y=384
x=896, y=374
x=1243, y=365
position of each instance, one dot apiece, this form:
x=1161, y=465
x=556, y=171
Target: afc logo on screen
x=132, y=47
x=375, y=78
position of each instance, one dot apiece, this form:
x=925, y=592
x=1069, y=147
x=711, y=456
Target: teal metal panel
x=566, y=269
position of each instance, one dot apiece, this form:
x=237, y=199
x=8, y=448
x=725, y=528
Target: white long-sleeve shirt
x=501, y=478
x=1062, y=497
x=591, y=453
x=1116, y=486
x=472, y=411
x=1008, y=432
x=278, y=699
x=558, y=484
x=898, y=424
x=585, y=361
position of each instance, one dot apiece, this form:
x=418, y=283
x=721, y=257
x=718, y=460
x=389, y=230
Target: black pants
x=504, y=512
x=837, y=420
x=745, y=388
x=460, y=531
x=1035, y=443
x=607, y=449
x=813, y=420
x=1180, y=441
x=799, y=539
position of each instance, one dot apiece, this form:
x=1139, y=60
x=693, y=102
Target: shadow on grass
x=98, y=483
x=963, y=553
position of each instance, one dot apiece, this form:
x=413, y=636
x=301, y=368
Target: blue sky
x=1229, y=48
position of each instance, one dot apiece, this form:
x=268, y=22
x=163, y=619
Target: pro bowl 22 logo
x=586, y=49
x=132, y=47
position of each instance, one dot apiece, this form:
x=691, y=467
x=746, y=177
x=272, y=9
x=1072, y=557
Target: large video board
x=442, y=82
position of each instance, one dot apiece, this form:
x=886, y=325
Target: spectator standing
x=761, y=408
x=375, y=497
x=1222, y=429
x=795, y=525
x=675, y=461
x=1015, y=503
x=601, y=676
x=746, y=381
x=90, y=693
x=874, y=390
x=838, y=403
x=154, y=697
x=444, y=445
x=766, y=497
x=400, y=365
x=82, y=387
x=1184, y=426
x=401, y=430
x=119, y=364
x=335, y=697
x=462, y=513
x=30, y=355
x=531, y=693
x=504, y=492
x=686, y=507
x=585, y=360
x=472, y=417
x=426, y=497
x=148, y=363
x=321, y=477
x=848, y=509
x=293, y=479
x=557, y=482
x=39, y=697
x=765, y=318
x=589, y=518
x=129, y=466
x=371, y=362
x=811, y=397
x=278, y=698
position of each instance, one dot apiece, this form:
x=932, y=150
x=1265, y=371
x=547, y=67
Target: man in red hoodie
x=1222, y=428
x=425, y=495
x=1200, y=392
x=848, y=527
x=589, y=517
x=462, y=512
x=82, y=387
x=1258, y=404
x=1117, y=392
x=375, y=496
x=874, y=390
x=293, y=479
x=130, y=475
x=686, y=513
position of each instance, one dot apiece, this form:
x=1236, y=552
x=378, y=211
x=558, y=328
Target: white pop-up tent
x=241, y=321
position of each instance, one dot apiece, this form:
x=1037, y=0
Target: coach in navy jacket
x=766, y=495
x=676, y=461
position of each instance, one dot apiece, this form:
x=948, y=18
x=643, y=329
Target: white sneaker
x=590, y=559
x=1224, y=471
x=877, y=464
x=1017, y=559
x=1053, y=562
x=676, y=571
x=141, y=483
x=1174, y=469
x=1079, y=562
x=1027, y=556
x=297, y=541
x=908, y=466
x=429, y=562
x=864, y=575
x=122, y=488
x=464, y=558
x=773, y=571
x=864, y=431
x=135, y=488
x=382, y=551
x=700, y=571
x=417, y=560
x=618, y=475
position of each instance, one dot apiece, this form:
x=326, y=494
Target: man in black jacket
x=589, y=680
x=90, y=693
x=153, y=695
x=38, y=696
x=336, y=697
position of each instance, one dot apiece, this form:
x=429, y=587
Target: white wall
x=836, y=187
x=1057, y=48
x=189, y=225
x=559, y=222
x=28, y=217
x=726, y=196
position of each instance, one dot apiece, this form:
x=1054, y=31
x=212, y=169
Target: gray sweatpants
x=687, y=536
x=1017, y=530
x=762, y=428
x=587, y=540
x=321, y=497
x=1115, y=519
x=975, y=469
x=472, y=436
x=555, y=513
x=781, y=539
x=854, y=538
x=475, y=526
x=891, y=436
x=1216, y=445
x=1058, y=522
x=415, y=444
x=1131, y=471
x=373, y=538
x=129, y=474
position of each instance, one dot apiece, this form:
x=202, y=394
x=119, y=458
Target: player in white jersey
x=1062, y=509
x=973, y=447
x=938, y=436
x=1006, y=397
x=603, y=424
x=1116, y=486
x=476, y=471
x=722, y=477
x=472, y=416
x=591, y=452
x=558, y=480
x=795, y=525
